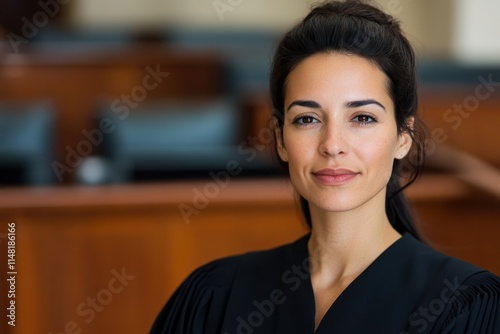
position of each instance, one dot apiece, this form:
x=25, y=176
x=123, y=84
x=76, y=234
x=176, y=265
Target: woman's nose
x=333, y=140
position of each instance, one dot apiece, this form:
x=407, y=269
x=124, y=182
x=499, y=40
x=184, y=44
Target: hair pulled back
x=357, y=28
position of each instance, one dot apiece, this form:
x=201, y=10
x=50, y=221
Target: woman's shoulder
x=431, y=262
x=201, y=300
x=467, y=296
x=188, y=308
x=222, y=271
x=475, y=305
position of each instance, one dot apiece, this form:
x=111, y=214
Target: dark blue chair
x=247, y=53
x=26, y=142
x=173, y=137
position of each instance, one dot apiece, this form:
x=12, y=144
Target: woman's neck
x=343, y=244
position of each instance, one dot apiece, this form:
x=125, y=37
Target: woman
x=344, y=95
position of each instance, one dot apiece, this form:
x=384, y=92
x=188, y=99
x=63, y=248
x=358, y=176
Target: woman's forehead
x=328, y=76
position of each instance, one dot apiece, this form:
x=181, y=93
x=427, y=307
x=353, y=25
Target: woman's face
x=340, y=136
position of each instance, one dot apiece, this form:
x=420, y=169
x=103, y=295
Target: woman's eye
x=364, y=119
x=304, y=120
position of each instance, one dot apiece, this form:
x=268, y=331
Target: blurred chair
x=63, y=37
x=432, y=72
x=26, y=143
x=248, y=53
x=175, y=139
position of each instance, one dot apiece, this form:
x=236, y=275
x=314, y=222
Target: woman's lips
x=337, y=176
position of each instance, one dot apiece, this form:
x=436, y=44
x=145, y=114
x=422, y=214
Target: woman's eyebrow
x=304, y=103
x=351, y=104
x=361, y=103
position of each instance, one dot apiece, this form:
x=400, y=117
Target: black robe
x=409, y=288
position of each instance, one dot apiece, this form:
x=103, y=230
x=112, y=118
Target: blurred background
x=134, y=146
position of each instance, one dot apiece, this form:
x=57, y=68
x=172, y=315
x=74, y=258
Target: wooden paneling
x=464, y=120
x=71, y=241
x=465, y=228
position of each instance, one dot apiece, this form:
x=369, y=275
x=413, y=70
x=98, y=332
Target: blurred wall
x=428, y=23
x=262, y=14
x=476, y=31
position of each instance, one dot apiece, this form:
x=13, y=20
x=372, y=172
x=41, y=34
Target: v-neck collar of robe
x=378, y=273
x=271, y=293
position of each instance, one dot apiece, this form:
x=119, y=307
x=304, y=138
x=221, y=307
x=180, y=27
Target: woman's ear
x=405, y=140
x=280, y=145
